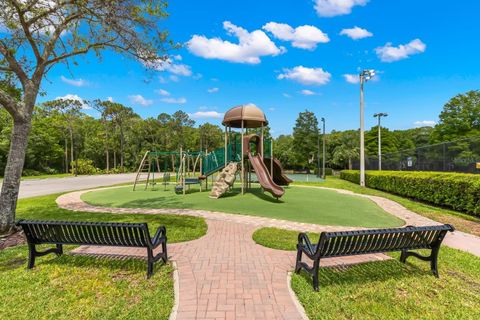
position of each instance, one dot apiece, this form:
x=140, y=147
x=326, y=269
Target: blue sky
x=425, y=52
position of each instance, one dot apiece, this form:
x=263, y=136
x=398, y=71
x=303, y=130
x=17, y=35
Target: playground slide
x=278, y=175
x=264, y=177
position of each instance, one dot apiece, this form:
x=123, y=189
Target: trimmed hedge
x=458, y=191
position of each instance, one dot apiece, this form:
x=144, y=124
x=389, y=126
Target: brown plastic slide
x=278, y=175
x=264, y=177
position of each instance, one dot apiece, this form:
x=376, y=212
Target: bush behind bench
x=458, y=191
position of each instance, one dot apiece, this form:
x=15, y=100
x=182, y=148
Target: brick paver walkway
x=225, y=275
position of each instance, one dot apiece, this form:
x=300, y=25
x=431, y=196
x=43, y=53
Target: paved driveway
x=41, y=187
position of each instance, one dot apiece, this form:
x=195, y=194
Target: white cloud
x=197, y=76
x=356, y=33
x=352, y=78
x=307, y=76
x=174, y=78
x=388, y=53
x=139, y=99
x=207, y=115
x=271, y=109
x=286, y=95
x=169, y=65
x=75, y=97
x=213, y=90
x=174, y=100
x=74, y=82
x=332, y=8
x=307, y=92
x=110, y=99
x=425, y=123
x=162, y=92
x=251, y=46
x=304, y=37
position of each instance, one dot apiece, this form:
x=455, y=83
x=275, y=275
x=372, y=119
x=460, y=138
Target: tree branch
x=26, y=30
x=13, y=64
x=10, y=104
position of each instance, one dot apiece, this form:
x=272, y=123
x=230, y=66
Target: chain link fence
x=461, y=155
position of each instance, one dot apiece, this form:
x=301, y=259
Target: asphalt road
x=41, y=187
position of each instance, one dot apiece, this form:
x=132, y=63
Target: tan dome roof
x=251, y=115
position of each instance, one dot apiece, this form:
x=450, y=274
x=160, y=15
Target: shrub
x=85, y=166
x=458, y=191
x=30, y=173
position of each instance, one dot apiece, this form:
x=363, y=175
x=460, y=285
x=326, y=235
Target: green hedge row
x=458, y=191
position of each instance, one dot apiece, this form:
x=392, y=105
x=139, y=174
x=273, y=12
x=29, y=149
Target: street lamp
x=379, y=116
x=365, y=75
x=323, y=150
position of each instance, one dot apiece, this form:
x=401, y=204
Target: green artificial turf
x=307, y=205
x=386, y=289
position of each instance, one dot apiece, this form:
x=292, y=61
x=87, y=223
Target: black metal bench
x=338, y=244
x=93, y=233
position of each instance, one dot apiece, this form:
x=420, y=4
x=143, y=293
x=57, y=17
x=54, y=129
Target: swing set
x=184, y=164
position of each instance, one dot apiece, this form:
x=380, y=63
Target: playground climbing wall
x=224, y=181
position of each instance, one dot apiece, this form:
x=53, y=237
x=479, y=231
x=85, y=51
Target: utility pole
x=365, y=75
x=379, y=116
x=324, y=150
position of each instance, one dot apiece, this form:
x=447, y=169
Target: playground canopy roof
x=251, y=115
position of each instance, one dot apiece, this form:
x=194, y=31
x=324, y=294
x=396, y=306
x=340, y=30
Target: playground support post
x=242, y=175
x=323, y=150
x=226, y=145
x=271, y=157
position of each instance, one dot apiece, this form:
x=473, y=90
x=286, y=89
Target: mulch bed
x=12, y=240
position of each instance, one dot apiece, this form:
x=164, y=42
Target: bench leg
x=59, y=250
x=403, y=256
x=164, y=250
x=315, y=268
x=298, y=264
x=149, y=263
x=434, y=261
x=31, y=255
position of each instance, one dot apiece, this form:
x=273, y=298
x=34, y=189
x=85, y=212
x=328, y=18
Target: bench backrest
x=93, y=233
x=334, y=244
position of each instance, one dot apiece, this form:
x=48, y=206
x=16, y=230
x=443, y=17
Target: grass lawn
x=461, y=221
x=387, y=289
x=78, y=287
x=307, y=205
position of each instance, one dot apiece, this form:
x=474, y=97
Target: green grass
x=179, y=228
x=461, y=221
x=79, y=287
x=386, y=289
x=307, y=205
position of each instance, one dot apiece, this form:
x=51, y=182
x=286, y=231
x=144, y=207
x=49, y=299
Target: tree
x=459, y=118
x=211, y=136
x=305, y=138
x=69, y=111
x=40, y=34
x=120, y=115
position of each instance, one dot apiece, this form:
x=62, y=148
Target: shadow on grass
x=365, y=273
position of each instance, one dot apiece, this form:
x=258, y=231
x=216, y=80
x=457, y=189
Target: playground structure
x=247, y=151
x=183, y=163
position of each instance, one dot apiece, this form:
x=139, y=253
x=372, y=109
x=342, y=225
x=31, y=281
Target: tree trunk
x=66, y=155
x=13, y=173
x=349, y=163
x=121, y=148
x=107, y=153
x=71, y=148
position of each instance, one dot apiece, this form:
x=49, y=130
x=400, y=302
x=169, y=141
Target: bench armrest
x=305, y=244
x=160, y=234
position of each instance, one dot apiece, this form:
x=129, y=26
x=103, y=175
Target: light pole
x=379, y=116
x=323, y=150
x=365, y=75
x=318, y=153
